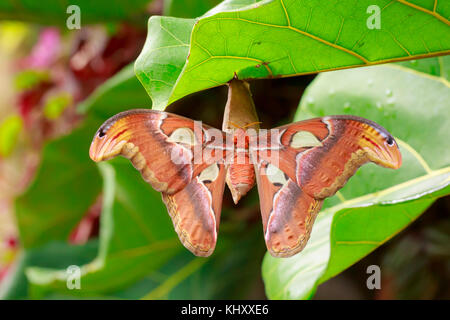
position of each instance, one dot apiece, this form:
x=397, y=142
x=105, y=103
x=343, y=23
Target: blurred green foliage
x=55, y=13
x=55, y=105
x=9, y=132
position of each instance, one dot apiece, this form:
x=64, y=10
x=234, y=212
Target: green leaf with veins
x=376, y=204
x=163, y=56
x=280, y=38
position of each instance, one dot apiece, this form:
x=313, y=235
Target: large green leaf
x=278, y=38
x=54, y=12
x=376, y=204
x=67, y=182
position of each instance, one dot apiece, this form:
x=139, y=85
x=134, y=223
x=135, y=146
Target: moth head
x=382, y=148
x=108, y=140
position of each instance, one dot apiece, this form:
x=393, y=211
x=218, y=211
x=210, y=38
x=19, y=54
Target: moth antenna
x=250, y=124
x=234, y=125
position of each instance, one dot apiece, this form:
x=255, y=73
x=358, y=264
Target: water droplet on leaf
x=389, y=92
x=391, y=101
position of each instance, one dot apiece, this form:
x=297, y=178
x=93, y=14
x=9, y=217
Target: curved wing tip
x=198, y=250
x=285, y=253
x=201, y=253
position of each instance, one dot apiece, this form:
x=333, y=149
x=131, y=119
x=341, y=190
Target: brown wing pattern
x=287, y=212
x=321, y=154
x=163, y=147
x=195, y=210
x=310, y=161
x=143, y=136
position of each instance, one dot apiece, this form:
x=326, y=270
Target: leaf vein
x=432, y=13
x=307, y=34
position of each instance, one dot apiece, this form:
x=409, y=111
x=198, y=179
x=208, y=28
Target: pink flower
x=45, y=52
